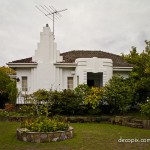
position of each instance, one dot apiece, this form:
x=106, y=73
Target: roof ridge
x=90, y=51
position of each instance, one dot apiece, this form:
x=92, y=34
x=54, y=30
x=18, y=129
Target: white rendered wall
x=46, y=55
x=94, y=65
x=67, y=72
x=24, y=72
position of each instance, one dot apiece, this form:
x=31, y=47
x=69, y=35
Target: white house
x=48, y=69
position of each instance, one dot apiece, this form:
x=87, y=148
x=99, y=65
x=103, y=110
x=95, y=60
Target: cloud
x=109, y=25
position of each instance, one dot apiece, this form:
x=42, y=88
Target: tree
x=12, y=91
x=4, y=81
x=7, y=70
x=8, y=90
x=141, y=71
x=118, y=94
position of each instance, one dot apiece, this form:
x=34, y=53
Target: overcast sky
x=108, y=25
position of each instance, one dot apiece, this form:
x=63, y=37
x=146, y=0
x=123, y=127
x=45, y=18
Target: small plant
x=44, y=124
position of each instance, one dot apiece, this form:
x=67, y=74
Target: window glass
x=24, y=84
x=70, y=82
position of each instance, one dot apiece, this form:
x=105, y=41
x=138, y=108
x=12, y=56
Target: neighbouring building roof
x=71, y=56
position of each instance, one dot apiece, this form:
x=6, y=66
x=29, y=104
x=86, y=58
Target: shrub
x=118, y=94
x=44, y=124
x=64, y=103
x=145, y=109
x=81, y=91
x=94, y=97
x=28, y=110
x=39, y=97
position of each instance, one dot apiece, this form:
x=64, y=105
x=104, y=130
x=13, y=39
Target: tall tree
x=141, y=70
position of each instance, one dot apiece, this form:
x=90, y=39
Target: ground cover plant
x=88, y=136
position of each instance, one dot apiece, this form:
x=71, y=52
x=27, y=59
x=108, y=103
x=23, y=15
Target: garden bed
x=39, y=137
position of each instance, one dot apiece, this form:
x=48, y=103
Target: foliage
x=43, y=124
x=118, y=94
x=81, y=91
x=64, y=103
x=12, y=90
x=39, y=96
x=145, y=109
x=40, y=100
x=141, y=70
x=94, y=97
x=28, y=110
x=7, y=70
x=4, y=81
x=8, y=90
x=10, y=113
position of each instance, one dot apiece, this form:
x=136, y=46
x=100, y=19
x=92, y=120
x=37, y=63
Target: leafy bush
x=81, y=91
x=40, y=99
x=43, y=124
x=28, y=110
x=64, y=103
x=94, y=97
x=118, y=94
x=145, y=109
x=10, y=113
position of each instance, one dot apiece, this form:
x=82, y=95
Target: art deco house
x=48, y=69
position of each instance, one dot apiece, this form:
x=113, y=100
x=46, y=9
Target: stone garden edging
x=130, y=122
x=39, y=137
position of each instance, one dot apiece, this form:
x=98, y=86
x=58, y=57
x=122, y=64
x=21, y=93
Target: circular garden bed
x=24, y=135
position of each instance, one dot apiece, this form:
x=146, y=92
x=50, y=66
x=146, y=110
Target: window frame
x=70, y=85
x=24, y=85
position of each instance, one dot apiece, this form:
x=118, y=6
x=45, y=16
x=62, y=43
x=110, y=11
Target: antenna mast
x=51, y=11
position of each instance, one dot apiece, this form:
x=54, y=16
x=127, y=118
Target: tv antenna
x=51, y=13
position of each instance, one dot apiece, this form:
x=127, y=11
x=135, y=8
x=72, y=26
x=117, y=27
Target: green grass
x=88, y=136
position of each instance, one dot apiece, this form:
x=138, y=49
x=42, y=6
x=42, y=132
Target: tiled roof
x=71, y=56
x=25, y=60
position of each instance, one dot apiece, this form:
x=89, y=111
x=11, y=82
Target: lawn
x=88, y=136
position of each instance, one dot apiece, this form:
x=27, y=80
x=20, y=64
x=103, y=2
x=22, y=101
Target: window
x=70, y=83
x=24, y=84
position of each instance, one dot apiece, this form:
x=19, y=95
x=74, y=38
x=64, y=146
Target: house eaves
x=65, y=65
x=122, y=68
x=22, y=65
